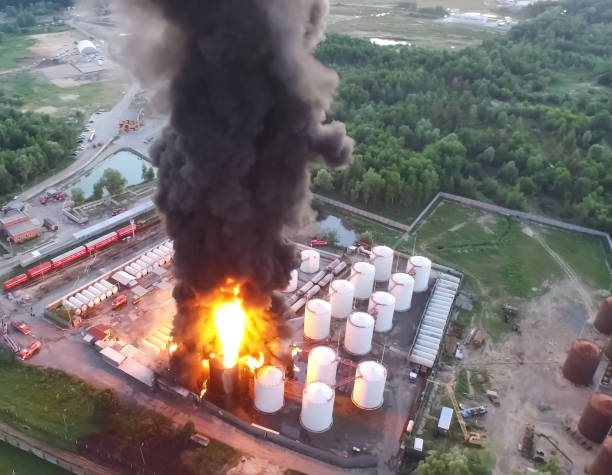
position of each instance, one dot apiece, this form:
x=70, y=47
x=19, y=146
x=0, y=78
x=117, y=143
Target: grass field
x=18, y=462
x=14, y=51
x=38, y=94
x=46, y=404
x=501, y=262
x=381, y=19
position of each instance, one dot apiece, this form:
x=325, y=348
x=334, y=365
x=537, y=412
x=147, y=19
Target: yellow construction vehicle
x=471, y=439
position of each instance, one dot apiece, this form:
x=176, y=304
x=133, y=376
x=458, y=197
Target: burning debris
x=248, y=106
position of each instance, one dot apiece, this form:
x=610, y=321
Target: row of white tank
x=149, y=260
x=365, y=274
x=90, y=297
x=319, y=391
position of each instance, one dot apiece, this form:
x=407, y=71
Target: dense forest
x=31, y=145
x=523, y=120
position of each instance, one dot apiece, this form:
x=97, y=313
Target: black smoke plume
x=248, y=103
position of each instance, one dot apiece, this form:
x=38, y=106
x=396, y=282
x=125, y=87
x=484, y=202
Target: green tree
x=331, y=237
x=98, y=191
x=144, y=172
x=150, y=174
x=457, y=462
x=372, y=186
x=78, y=196
x=509, y=173
x=323, y=181
x=113, y=181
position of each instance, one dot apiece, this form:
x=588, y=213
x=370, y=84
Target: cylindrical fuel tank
x=602, y=465
x=596, y=419
x=341, y=293
x=382, y=307
x=581, y=361
x=317, y=319
x=603, y=320
x=382, y=260
x=358, y=334
x=362, y=278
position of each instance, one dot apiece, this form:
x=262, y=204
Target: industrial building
x=132, y=120
x=86, y=47
x=17, y=226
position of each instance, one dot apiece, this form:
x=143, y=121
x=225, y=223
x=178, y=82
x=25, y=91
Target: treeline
x=31, y=145
x=36, y=6
x=523, y=120
x=21, y=14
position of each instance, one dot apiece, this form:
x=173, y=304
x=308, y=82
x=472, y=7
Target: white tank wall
x=113, y=288
x=293, y=282
x=155, y=258
x=322, y=365
x=269, y=389
x=341, y=294
x=362, y=277
x=99, y=293
x=149, y=261
x=103, y=288
x=317, y=319
x=401, y=286
x=422, y=268
x=94, y=298
x=382, y=259
x=358, y=334
x=317, y=407
x=382, y=307
x=84, y=300
x=310, y=261
x=78, y=305
x=133, y=271
x=369, y=388
x=144, y=267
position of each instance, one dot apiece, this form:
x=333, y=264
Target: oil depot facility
x=366, y=332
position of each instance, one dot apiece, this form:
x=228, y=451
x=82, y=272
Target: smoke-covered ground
x=247, y=103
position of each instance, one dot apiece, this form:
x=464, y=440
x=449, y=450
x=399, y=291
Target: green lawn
x=46, y=404
x=35, y=92
x=18, y=462
x=501, y=262
x=14, y=51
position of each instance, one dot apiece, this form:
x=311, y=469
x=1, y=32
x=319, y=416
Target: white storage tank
x=382, y=307
x=154, y=257
x=310, y=261
x=369, y=387
x=401, y=287
x=362, y=277
x=97, y=292
x=113, y=288
x=74, y=307
x=293, y=282
x=317, y=407
x=84, y=300
x=144, y=267
x=382, y=259
x=341, y=294
x=269, y=390
x=93, y=297
x=150, y=262
x=102, y=288
x=421, y=267
x=358, y=334
x=317, y=319
x=160, y=255
x=78, y=304
x=322, y=365
x=133, y=270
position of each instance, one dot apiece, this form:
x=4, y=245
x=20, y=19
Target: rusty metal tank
x=596, y=419
x=603, y=320
x=581, y=361
x=602, y=465
x=608, y=349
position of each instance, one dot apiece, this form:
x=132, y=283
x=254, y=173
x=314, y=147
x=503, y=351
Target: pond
x=346, y=237
x=127, y=163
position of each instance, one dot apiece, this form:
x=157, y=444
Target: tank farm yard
x=363, y=331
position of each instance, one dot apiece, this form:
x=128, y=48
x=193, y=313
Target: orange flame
x=230, y=321
x=204, y=388
x=253, y=363
x=172, y=348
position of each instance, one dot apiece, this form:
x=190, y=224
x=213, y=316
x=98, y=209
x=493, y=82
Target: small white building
x=446, y=415
x=86, y=47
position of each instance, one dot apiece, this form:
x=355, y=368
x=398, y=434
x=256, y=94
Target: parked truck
x=50, y=224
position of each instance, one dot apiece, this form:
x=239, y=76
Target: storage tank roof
x=383, y=298
x=342, y=286
x=322, y=355
x=372, y=371
x=382, y=251
x=361, y=319
x=318, y=306
x=364, y=267
x=420, y=261
x=401, y=278
x=269, y=375
x=318, y=393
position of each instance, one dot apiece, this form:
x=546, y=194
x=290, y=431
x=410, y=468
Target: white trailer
x=113, y=288
x=125, y=279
